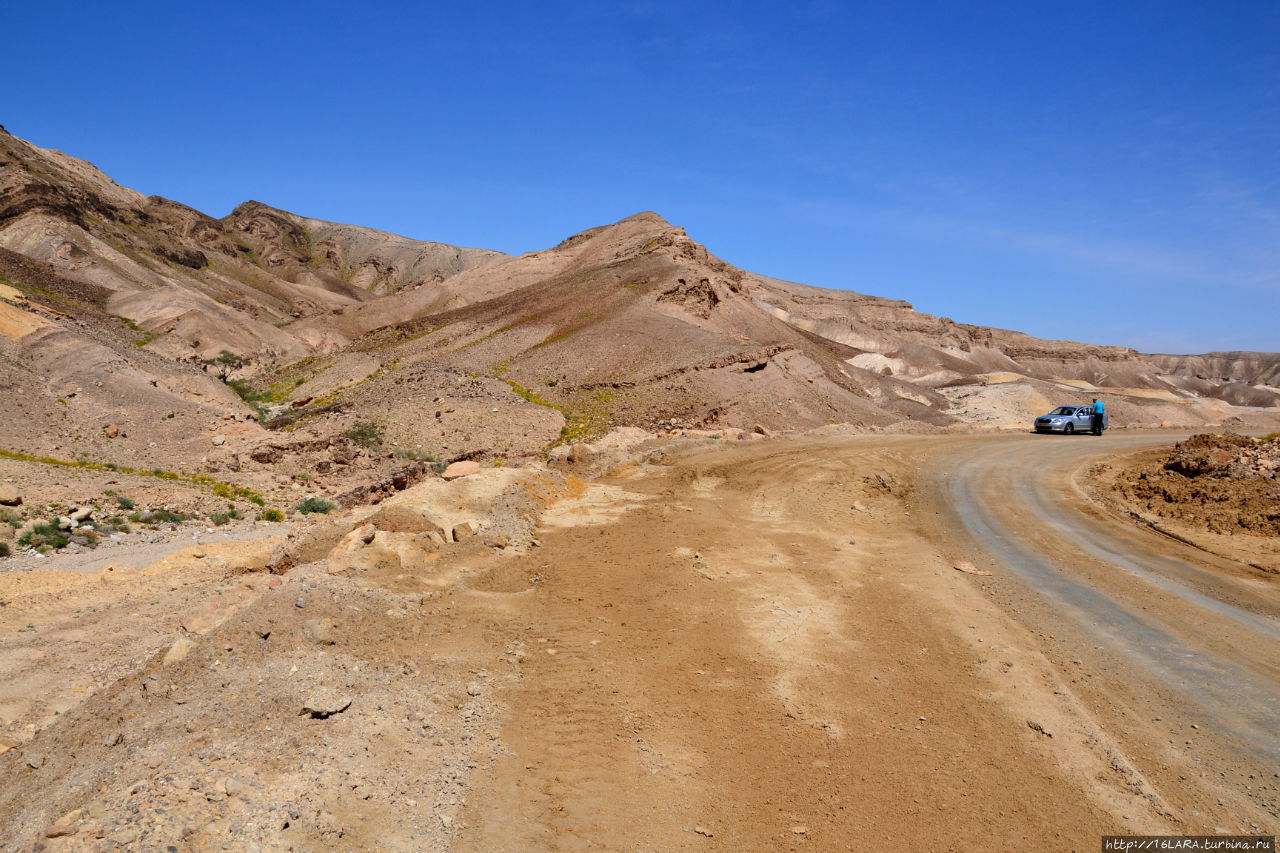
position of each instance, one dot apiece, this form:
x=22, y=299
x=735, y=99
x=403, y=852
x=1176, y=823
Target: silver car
x=1068, y=419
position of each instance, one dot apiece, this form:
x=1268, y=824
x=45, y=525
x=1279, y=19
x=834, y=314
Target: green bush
x=125, y=503
x=310, y=505
x=365, y=433
x=43, y=537
x=4, y=549
x=10, y=518
x=166, y=517
x=271, y=515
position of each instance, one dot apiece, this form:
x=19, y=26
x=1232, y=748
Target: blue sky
x=1091, y=171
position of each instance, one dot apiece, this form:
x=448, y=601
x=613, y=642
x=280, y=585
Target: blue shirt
x=1097, y=407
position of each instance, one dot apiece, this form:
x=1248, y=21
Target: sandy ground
x=750, y=646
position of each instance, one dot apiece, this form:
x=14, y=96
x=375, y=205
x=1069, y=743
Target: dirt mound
x=1219, y=483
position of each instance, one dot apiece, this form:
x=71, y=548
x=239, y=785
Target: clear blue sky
x=1106, y=172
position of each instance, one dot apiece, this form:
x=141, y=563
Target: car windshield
x=1064, y=410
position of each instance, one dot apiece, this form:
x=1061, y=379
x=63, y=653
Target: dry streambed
x=332, y=684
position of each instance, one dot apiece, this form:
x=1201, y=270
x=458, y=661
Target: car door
x=1083, y=419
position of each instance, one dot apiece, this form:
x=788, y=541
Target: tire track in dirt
x=762, y=656
x=1236, y=689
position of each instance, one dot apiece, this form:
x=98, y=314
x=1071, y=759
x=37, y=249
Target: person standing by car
x=1097, y=416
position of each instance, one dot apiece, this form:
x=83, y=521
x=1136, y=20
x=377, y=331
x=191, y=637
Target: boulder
x=267, y=455
x=320, y=631
x=179, y=650
x=461, y=469
x=580, y=454
x=970, y=569
x=354, y=540
x=324, y=705
x=9, y=495
x=404, y=519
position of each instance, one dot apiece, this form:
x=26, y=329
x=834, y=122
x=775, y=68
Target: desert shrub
x=221, y=518
x=4, y=549
x=313, y=504
x=271, y=515
x=165, y=516
x=365, y=433
x=44, y=537
x=1270, y=437
x=10, y=518
x=125, y=503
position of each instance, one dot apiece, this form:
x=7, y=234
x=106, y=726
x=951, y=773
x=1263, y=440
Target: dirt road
x=1205, y=627
x=772, y=650
x=759, y=646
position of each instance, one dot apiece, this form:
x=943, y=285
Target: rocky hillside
x=198, y=285
x=122, y=316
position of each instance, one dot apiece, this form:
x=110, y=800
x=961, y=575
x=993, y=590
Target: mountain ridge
x=631, y=323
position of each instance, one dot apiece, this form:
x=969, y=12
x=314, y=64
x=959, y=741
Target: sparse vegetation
x=124, y=502
x=234, y=491
x=573, y=429
x=44, y=537
x=414, y=453
x=10, y=518
x=255, y=398
x=311, y=505
x=165, y=516
x=367, y=434
x=529, y=395
x=221, y=518
x=4, y=549
x=271, y=515
x=145, y=336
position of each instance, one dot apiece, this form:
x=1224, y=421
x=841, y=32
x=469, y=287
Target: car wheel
x=1068, y=429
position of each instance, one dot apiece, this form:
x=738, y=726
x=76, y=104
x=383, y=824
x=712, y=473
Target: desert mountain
x=121, y=313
